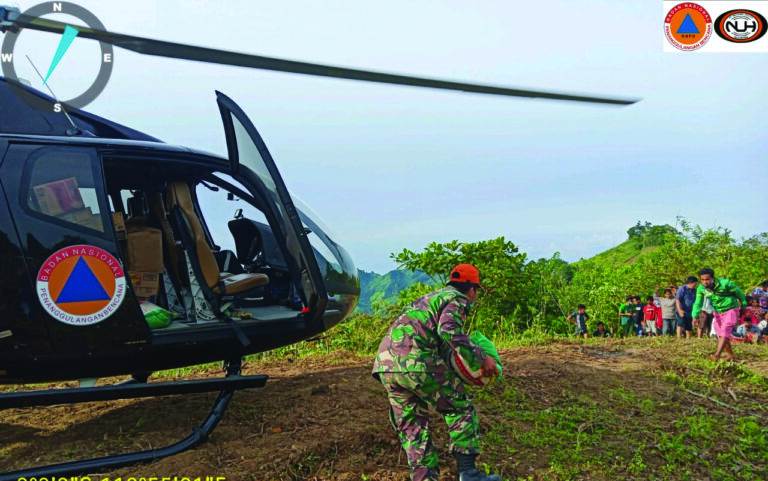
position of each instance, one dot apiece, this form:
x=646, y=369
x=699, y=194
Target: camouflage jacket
x=416, y=339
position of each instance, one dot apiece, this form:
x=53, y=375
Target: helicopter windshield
x=251, y=158
x=336, y=265
x=339, y=272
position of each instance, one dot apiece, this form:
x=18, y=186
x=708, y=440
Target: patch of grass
x=632, y=422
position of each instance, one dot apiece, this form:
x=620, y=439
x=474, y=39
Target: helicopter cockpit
x=240, y=259
x=251, y=267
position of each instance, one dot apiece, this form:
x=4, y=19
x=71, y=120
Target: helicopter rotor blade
x=162, y=48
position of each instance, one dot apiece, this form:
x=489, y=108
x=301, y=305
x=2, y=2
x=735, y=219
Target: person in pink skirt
x=727, y=300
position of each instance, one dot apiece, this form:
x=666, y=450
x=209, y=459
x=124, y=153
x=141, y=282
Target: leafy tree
x=502, y=302
x=638, y=230
x=551, y=277
x=684, y=254
x=647, y=234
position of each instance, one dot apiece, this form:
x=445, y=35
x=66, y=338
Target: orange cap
x=465, y=273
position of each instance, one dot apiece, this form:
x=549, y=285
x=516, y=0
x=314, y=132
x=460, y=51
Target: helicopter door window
x=219, y=207
x=61, y=185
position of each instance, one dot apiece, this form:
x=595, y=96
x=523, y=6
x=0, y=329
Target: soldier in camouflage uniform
x=410, y=366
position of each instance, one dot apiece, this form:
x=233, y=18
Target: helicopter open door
x=252, y=164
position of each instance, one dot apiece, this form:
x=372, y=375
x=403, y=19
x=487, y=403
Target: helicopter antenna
x=75, y=130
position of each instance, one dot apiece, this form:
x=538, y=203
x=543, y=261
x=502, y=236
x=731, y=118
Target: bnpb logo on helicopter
x=81, y=285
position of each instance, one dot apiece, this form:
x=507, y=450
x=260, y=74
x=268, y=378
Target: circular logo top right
x=740, y=26
x=688, y=26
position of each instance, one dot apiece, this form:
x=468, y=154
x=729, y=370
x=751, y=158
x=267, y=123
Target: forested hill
x=643, y=238
x=377, y=287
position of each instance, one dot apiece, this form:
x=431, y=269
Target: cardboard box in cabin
x=84, y=217
x=78, y=216
x=144, y=246
x=56, y=198
x=119, y=221
x=94, y=222
x=145, y=285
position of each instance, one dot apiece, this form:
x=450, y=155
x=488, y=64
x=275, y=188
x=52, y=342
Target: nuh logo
x=740, y=26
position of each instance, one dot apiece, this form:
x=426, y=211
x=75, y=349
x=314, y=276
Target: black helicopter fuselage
x=75, y=328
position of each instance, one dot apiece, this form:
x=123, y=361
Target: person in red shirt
x=650, y=316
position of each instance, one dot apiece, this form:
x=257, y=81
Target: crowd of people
x=690, y=309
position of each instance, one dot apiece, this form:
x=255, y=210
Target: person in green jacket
x=727, y=300
x=626, y=313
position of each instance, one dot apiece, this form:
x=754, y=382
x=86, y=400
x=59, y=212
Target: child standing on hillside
x=626, y=316
x=580, y=318
x=639, y=324
x=650, y=316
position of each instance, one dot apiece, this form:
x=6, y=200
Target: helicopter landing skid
x=198, y=436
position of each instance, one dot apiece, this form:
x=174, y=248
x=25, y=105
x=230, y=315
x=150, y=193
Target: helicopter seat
x=256, y=245
x=158, y=219
x=228, y=263
x=204, y=261
x=175, y=278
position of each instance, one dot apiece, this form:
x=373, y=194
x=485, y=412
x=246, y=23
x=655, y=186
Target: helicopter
x=108, y=259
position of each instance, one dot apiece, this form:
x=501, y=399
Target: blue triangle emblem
x=82, y=286
x=688, y=26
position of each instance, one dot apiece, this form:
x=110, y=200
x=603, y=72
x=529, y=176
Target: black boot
x=465, y=466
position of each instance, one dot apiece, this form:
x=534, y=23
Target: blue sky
x=391, y=167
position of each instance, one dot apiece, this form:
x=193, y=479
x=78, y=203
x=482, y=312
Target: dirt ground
x=315, y=419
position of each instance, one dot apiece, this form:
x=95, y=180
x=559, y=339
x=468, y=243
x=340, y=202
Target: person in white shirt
x=704, y=321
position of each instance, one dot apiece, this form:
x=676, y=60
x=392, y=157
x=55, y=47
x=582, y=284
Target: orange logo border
x=89, y=312
x=668, y=28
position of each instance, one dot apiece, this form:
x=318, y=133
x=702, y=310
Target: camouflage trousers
x=410, y=395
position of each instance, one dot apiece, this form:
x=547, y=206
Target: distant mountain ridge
x=385, y=287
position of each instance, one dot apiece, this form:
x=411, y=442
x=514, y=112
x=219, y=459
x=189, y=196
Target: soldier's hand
x=489, y=368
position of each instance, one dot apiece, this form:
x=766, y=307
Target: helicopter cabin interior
x=161, y=214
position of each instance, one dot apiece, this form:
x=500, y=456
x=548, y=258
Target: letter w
x=7, y=57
